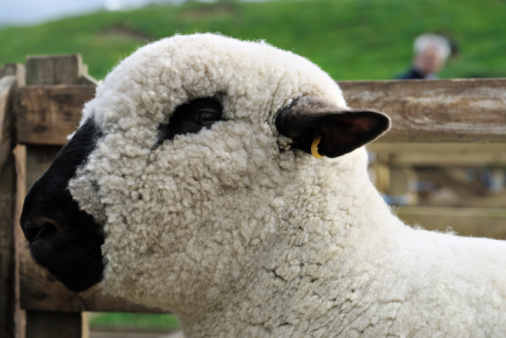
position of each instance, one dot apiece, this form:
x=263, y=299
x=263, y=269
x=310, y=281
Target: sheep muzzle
x=63, y=238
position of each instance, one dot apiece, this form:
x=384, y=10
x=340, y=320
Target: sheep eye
x=207, y=117
x=190, y=118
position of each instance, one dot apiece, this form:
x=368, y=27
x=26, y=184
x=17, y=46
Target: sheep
x=192, y=185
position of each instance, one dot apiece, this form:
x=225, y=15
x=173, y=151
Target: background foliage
x=350, y=39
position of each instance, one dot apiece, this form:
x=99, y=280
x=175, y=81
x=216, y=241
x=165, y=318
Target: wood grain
x=18, y=238
x=47, y=114
x=7, y=90
x=7, y=282
x=8, y=314
x=54, y=69
x=421, y=111
x=471, y=110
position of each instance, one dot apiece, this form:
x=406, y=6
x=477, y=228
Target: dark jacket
x=412, y=73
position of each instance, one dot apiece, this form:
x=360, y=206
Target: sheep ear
x=341, y=131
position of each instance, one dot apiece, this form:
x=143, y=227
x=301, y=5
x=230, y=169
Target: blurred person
x=430, y=54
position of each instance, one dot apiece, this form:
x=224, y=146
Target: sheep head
x=187, y=163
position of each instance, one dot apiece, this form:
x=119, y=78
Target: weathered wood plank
x=477, y=222
x=9, y=317
x=471, y=110
x=7, y=196
x=47, y=114
x=18, y=238
x=442, y=154
x=54, y=69
x=424, y=111
x=12, y=193
x=7, y=90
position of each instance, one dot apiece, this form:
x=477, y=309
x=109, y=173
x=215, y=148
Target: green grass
x=134, y=321
x=350, y=39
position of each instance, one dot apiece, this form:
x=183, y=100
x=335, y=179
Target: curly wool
x=240, y=236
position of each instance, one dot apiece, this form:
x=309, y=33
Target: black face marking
x=63, y=238
x=190, y=118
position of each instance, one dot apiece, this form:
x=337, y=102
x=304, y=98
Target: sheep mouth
x=62, y=238
x=76, y=266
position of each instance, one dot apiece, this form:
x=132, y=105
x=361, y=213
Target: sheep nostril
x=40, y=228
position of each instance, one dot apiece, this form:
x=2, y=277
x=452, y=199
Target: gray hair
x=424, y=41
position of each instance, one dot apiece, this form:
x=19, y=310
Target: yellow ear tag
x=314, y=147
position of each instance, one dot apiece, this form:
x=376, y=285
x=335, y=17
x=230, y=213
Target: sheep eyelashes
x=191, y=186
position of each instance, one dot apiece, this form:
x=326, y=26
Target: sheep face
x=183, y=167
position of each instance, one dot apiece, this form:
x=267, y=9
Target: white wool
x=241, y=237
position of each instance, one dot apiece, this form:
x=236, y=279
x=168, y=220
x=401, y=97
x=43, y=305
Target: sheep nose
x=41, y=227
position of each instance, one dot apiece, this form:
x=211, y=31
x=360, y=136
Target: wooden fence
x=40, y=104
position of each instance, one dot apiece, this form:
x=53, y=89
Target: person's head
x=430, y=53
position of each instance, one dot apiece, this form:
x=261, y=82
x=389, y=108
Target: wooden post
x=7, y=282
x=11, y=316
x=47, y=114
x=47, y=97
x=18, y=237
x=7, y=89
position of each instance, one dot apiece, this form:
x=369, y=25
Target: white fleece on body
x=241, y=236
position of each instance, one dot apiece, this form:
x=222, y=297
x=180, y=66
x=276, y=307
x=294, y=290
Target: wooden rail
x=36, y=117
x=437, y=110
x=463, y=111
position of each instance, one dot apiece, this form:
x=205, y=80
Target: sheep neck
x=360, y=271
x=285, y=283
